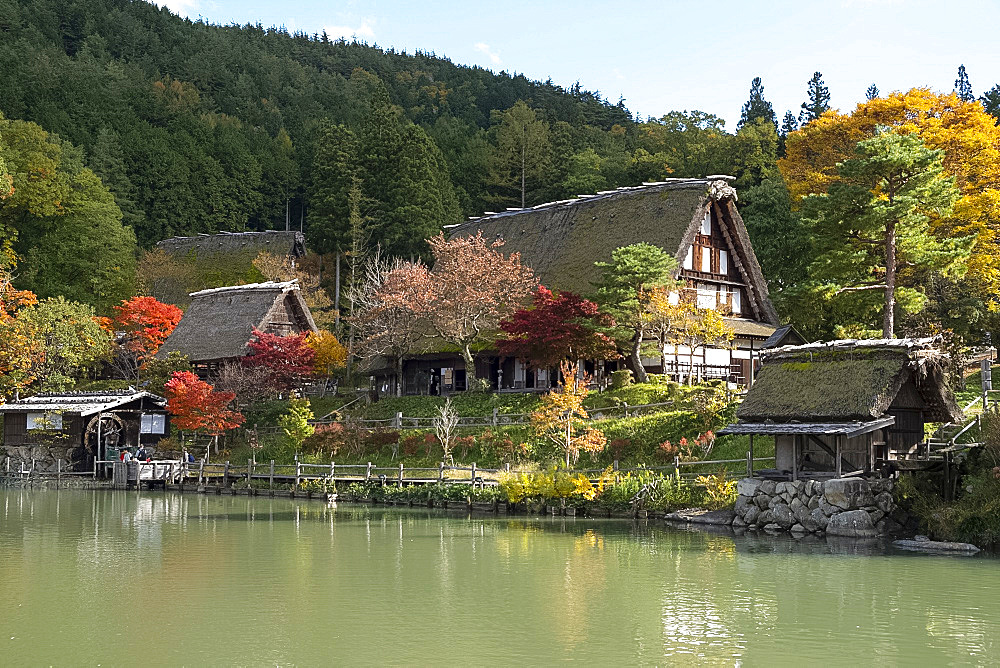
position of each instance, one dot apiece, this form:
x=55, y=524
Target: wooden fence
x=226, y=473
x=497, y=419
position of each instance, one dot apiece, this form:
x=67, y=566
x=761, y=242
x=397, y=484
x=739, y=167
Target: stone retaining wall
x=44, y=456
x=853, y=507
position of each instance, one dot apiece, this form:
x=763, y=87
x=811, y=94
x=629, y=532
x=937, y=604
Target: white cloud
x=180, y=7
x=485, y=48
x=362, y=33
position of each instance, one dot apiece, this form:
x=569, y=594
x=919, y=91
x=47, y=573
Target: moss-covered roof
x=562, y=240
x=813, y=384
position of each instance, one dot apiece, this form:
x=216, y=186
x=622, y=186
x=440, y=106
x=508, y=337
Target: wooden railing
x=497, y=419
x=226, y=473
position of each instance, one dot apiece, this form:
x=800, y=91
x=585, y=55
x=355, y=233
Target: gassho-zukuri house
x=695, y=220
x=848, y=407
x=77, y=426
x=219, y=323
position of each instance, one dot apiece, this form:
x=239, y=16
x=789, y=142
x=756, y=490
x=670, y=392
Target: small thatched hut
x=219, y=323
x=76, y=427
x=847, y=406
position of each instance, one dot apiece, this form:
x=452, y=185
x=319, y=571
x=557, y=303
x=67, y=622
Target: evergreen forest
x=194, y=128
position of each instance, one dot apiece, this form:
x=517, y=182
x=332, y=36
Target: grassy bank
x=632, y=441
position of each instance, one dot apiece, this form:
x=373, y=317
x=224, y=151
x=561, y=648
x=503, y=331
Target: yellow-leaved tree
x=562, y=419
x=966, y=133
x=330, y=353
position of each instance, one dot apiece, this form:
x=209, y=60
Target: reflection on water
x=192, y=579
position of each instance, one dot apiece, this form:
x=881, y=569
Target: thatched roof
x=277, y=242
x=562, y=240
x=83, y=403
x=848, y=380
x=220, y=321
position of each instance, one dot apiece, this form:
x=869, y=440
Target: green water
x=120, y=578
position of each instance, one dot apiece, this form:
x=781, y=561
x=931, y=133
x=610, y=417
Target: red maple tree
x=557, y=327
x=139, y=327
x=289, y=359
x=145, y=323
x=196, y=406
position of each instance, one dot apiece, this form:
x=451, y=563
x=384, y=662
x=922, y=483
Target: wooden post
x=201, y=472
x=398, y=420
x=400, y=474
x=614, y=466
x=473, y=472
x=839, y=467
x=750, y=469
x=368, y=472
x=795, y=457
x=496, y=416
x=225, y=474
x=58, y=472
x=440, y=471
x=95, y=466
x=298, y=473
x=270, y=476
x=749, y=464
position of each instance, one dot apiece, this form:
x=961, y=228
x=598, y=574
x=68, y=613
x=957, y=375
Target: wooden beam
x=751, y=290
x=828, y=450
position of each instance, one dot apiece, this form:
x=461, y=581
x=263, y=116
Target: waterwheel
x=111, y=430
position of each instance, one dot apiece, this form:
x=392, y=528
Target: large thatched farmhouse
x=219, y=323
x=228, y=244
x=695, y=220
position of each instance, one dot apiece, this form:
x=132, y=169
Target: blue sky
x=671, y=55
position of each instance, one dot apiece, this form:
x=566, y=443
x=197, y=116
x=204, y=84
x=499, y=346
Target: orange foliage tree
x=19, y=347
x=139, y=326
x=196, y=406
x=562, y=418
x=966, y=133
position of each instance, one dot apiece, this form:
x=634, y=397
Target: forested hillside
x=197, y=128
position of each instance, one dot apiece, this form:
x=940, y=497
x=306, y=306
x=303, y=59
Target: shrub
x=621, y=379
x=720, y=491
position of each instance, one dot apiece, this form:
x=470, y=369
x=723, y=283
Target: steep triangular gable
x=721, y=200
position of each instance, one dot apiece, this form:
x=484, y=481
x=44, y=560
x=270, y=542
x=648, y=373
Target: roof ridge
x=284, y=286
x=667, y=184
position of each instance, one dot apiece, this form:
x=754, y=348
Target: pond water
x=112, y=578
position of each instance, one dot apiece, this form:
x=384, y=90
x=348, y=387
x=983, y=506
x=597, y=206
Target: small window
x=706, y=297
x=153, y=423
x=735, y=300
x=706, y=224
x=706, y=260
x=723, y=262
x=689, y=260
x=45, y=422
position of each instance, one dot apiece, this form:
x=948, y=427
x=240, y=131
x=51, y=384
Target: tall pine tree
x=872, y=230
x=872, y=92
x=757, y=107
x=962, y=86
x=334, y=169
x=819, y=99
